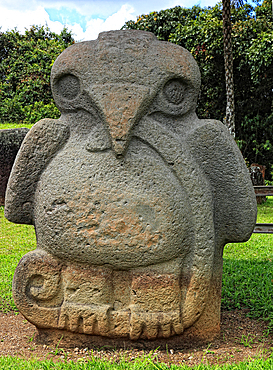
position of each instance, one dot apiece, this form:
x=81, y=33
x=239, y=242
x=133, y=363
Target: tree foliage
x=201, y=32
x=25, y=65
x=26, y=60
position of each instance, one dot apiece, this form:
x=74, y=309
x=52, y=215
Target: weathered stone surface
x=257, y=175
x=10, y=142
x=132, y=197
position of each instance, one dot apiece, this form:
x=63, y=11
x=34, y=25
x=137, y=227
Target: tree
x=201, y=32
x=228, y=58
x=25, y=65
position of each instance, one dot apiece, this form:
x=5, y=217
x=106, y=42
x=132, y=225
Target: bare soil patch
x=241, y=339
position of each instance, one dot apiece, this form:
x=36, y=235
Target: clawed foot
x=152, y=325
x=82, y=299
x=85, y=319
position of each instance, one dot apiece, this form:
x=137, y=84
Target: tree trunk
x=228, y=57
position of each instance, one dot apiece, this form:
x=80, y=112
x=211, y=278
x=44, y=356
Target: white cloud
x=101, y=8
x=18, y=4
x=90, y=16
x=95, y=26
x=21, y=19
x=10, y=19
x=114, y=22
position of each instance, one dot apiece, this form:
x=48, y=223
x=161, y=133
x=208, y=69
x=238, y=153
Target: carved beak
x=122, y=107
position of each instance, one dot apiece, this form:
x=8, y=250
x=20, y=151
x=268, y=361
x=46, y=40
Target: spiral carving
x=43, y=287
x=37, y=288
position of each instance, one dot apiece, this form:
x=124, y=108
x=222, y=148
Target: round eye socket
x=174, y=91
x=68, y=86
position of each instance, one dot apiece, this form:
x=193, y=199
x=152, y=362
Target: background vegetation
x=25, y=65
x=26, y=61
x=201, y=32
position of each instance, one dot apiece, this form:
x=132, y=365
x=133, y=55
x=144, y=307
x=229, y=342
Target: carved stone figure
x=10, y=142
x=132, y=196
x=257, y=175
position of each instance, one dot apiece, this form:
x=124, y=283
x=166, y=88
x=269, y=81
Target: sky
x=85, y=18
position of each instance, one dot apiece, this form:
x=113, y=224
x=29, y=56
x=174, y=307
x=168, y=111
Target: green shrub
x=25, y=66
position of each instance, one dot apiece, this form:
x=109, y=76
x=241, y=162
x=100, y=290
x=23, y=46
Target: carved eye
x=68, y=86
x=174, y=91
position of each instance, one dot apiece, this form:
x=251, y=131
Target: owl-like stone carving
x=132, y=196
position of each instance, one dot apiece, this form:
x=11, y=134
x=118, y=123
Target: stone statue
x=132, y=196
x=10, y=142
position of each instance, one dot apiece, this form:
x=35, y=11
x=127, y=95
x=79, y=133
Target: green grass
x=146, y=363
x=248, y=271
x=247, y=283
x=15, y=241
x=265, y=211
x=14, y=125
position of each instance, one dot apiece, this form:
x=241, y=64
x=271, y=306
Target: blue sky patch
x=70, y=16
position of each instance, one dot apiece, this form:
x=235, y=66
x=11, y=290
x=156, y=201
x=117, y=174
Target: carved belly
x=123, y=212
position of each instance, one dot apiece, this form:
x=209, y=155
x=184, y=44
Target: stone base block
x=91, y=305
x=66, y=339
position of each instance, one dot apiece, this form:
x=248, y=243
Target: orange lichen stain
x=150, y=279
x=111, y=225
x=154, y=290
x=109, y=219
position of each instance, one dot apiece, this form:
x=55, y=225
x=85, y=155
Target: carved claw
x=152, y=325
x=85, y=319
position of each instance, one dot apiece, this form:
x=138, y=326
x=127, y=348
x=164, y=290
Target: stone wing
x=38, y=148
x=233, y=195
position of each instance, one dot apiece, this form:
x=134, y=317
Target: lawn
x=248, y=271
x=144, y=364
x=4, y=126
x=247, y=283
